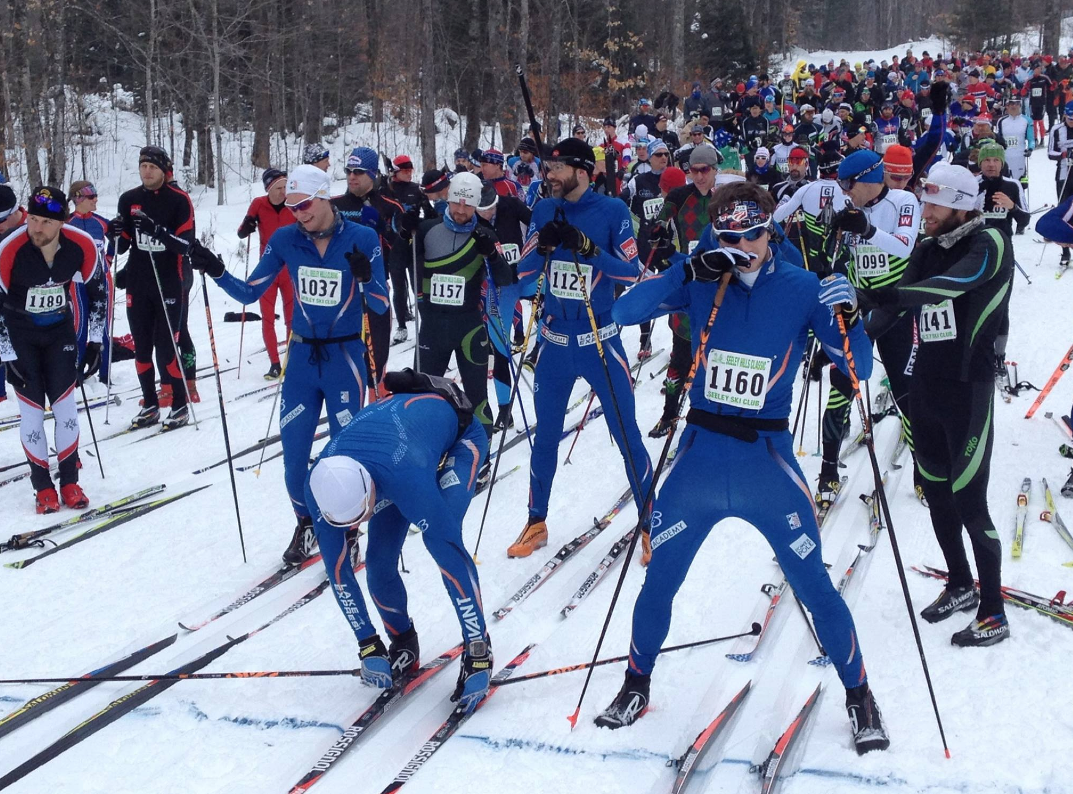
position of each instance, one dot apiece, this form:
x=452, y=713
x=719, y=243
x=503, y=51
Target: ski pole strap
x=743, y=428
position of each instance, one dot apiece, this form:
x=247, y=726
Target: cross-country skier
x=957, y=283
x=337, y=271
x=85, y=218
x=737, y=425
x=409, y=459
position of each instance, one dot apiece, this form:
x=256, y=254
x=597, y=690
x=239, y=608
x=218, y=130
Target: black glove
x=14, y=377
x=248, y=227
x=115, y=226
x=662, y=247
x=872, y=298
x=709, y=266
x=549, y=237
x=485, y=239
x=940, y=96
x=854, y=221
x=91, y=362
x=360, y=266
x=573, y=239
x=203, y=259
x=819, y=362
x=1028, y=152
x=146, y=226
x=407, y=223
x=121, y=279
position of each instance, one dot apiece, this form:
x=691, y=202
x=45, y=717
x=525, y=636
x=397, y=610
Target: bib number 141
x=937, y=322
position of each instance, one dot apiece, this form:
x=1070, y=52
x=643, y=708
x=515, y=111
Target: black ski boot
x=869, y=733
x=274, y=372
x=983, y=631
x=918, y=486
x=177, y=417
x=530, y=360
x=375, y=664
x=829, y=484
x=629, y=704
x=303, y=543
x=951, y=600
x=504, y=419
x=475, y=676
x=1067, y=489
x=405, y=654
x=662, y=428
x=148, y=416
x=484, y=476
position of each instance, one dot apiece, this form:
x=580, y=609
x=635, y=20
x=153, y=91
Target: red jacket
x=269, y=218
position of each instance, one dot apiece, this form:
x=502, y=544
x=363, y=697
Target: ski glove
x=150, y=228
x=360, y=266
x=91, y=362
x=121, y=279
x=248, y=227
x=839, y=295
x=940, y=96
x=868, y=299
x=115, y=227
x=407, y=223
x=203, y=259
x=854, y=221
x=485, y=239
x=559, y=233
x=708, y=266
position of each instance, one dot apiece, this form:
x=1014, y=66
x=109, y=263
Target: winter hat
x=489, y=196
x=863, y=166
x=528, y=145
x=641, y=133
x=951, y=186
x=271, y=175
x=402, y=161
x=314, y=153
x=656, y=145
x=80, y=186
x=493, y=156
x=363, y=158
x=898, y=160
x=576, y=153
x=465, y=189
x=671, y=178
x=461, y=154
x=342, y=488
x=434, y=180
x=8, y=202
x=827, y=116
x=48, y=202
x=156, y=156
x=704, y=155
x=762, y=151
x=991, y=149
x=310, y=181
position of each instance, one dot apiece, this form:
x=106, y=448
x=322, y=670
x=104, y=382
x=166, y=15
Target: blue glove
x=837, y=293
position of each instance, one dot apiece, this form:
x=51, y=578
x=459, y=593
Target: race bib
x=996, y=214
x=318, y=286
x=737, y=379
x=447, y=290
x=1013, y=144
x=41, y=300
x=925, y=113
x=886, y=141
x=651, y=208
x=871, y=261
x=565, y=282
x=511, y=253
x=147, y=243
x=783, y=167
x=937, y=323
x=1037, y=92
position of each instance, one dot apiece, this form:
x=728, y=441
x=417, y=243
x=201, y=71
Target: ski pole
x=223, y=411
x=808, y=390
x=1062, y=367
x=580, y=427
x=805, y=370
x=110, y=282
x=242, y=330
x=417, y=307
x=275, y=399
x=869, y=442
x=92, y=433
x=697, y=358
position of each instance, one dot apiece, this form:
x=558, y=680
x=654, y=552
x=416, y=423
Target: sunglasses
x=752, y=235
x=797, y=160
x=302, y=206
x=696, y=133
x=661, y=154
x=84, y=195
x=350, y=171
x=700, y=170
x=933, y=189
x=759, y=157
x=48, y=202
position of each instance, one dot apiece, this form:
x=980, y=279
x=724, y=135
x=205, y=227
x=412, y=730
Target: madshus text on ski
x=788, y=227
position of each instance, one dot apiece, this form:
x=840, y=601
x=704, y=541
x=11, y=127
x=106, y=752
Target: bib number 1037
x=736, y=379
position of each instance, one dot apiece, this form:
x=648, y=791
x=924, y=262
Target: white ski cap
x=342, y=488
x=310, y=181
x=951, y=186
x=465, y=189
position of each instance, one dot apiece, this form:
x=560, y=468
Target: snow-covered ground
x=1005, y=709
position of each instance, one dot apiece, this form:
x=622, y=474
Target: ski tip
x=184, y=627
x=757, y=628
x=572, y=719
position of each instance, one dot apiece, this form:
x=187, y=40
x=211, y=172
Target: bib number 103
x=736, y=379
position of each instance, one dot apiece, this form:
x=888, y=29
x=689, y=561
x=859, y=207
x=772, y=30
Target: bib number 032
x=736, y=379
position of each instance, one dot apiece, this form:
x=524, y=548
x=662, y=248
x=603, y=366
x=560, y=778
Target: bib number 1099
x=736, y=379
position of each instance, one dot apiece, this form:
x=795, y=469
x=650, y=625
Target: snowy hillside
x=1005, y=709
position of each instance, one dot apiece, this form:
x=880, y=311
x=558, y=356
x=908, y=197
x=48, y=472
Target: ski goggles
x=302, y=206
x=47, y=202
x=88, y=192
x=752, y=235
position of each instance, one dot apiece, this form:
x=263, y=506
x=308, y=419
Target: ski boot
x=178, y=417
x=149, y=415
x=629, y=704
x=504, y=419
x=533, y=537
x=951, y=600
x=400, y=335
x=163, y=396
x=918, y=486
x=1067, y=489
x=662, y=428
x=829, y=484
x=484, y=476
x=274, y=372
x=375, y=663
x=73, y=496
x=475, y=676
x=869, y=732
x=530, y=360
x=47, y=501
x=405, y=654
x=988, y=631
x=303, y=543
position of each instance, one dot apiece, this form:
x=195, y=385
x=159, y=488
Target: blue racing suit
x=567, y=348
x=425, y=475
x=736, y=456
x=327, y=366
x=96, y=226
